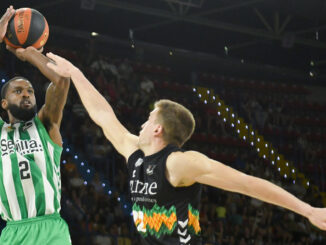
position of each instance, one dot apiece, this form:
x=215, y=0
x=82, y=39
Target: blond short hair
x=177, y=121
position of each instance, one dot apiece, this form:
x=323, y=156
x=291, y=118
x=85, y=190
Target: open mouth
x=26, y=103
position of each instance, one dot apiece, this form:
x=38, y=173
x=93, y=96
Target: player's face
x=20, y=100
x=148, y=129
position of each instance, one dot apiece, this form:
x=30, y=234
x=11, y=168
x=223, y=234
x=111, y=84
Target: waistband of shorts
x=34, y=219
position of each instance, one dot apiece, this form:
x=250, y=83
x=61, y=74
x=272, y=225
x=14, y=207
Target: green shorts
x=44, y=230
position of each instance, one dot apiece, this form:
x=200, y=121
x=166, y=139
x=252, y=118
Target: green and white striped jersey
x=30, y=181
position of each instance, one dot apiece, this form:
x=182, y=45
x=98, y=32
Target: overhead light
x=94, y=34
x=226, y=50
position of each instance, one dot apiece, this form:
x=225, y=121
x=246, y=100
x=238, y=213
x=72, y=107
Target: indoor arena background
x=251, y=71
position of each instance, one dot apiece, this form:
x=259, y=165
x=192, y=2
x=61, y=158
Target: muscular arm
x=103, y=115
x=98, y=108
x=203, y=170
x=56, y=95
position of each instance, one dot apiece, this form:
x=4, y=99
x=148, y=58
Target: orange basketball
x=27, y=27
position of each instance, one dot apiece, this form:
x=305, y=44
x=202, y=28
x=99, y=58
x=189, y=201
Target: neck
x=153, y=148
x=13, y=120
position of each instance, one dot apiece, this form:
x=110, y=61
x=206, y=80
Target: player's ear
x=4, y=104
x=158, y=130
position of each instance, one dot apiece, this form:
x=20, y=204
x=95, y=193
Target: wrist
x=308, y=210
x=74, y=71
x=30, y=52
x=29, y=55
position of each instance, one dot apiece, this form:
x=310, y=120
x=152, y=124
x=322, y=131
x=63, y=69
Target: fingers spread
x=50, y=55
x=9, y=13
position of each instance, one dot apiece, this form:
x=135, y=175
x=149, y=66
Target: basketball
x=27, y=27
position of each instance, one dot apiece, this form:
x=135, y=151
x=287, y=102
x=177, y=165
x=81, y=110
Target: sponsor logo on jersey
x=145, y=188
x=27, y=125
x=139, y=162
x=23, y=147
x=150, y=169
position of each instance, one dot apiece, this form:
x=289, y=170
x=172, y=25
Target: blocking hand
x=60, y=65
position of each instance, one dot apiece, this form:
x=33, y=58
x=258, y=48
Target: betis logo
x=160, y=221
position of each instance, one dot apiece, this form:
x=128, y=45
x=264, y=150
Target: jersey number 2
x=24, y=168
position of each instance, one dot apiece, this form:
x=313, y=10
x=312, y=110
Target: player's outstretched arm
x=204, y=170
x=56, y=95
x=4, y=21
x=97, y=106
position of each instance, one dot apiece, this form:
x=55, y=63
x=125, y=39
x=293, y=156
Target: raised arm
x=56, y=95
x=98, y=108
x=4, y=21
x=204, y=170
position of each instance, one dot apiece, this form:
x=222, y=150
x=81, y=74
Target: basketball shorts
x=43, y=230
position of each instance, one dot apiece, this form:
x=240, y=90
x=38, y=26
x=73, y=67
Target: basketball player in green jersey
x=30, y=150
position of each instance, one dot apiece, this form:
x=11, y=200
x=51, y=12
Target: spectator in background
x=147, y=85
x=125, y=70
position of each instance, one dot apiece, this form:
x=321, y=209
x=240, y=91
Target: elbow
x=99, y=116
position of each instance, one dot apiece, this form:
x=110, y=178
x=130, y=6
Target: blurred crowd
x=285, y=117
x=281, y=114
